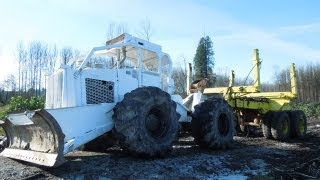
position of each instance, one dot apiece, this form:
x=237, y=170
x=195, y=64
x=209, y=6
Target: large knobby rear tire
x=146, y=122
x=266, y=124
x=213, y=124
x=298, y=123
x=280, y=126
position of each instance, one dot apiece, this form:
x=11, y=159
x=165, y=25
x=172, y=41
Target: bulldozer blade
x=43, y=137
x=40, y=158
x=38, y=140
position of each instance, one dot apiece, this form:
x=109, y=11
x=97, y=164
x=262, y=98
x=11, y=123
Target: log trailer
x=267, y=110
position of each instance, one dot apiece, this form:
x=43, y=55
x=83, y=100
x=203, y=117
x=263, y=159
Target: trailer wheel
x=280, y=126
x=266, y=124
x=298, y=124
x=146, y=122
x=213, y=124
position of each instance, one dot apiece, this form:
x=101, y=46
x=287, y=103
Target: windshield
x=122, y=57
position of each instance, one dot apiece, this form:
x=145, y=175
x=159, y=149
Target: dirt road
x=248, y=158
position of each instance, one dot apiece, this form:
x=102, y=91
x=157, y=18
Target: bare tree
x=116, y=29
x=22, y=57
x=10, y=86
x=2, y=95
x=42, y=66
x=51, y=59
x=66, y=54
x=222, y=77
x=35, y=59
x=33, y=56
x=121, y=28
x=38, y=55
x=76, y=54
x=146, y=29
x=110, y=31
x=10, y=83
x=179, y=76
x=308, y=82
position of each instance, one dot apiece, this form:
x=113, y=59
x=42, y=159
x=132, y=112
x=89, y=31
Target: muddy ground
x=250, y=157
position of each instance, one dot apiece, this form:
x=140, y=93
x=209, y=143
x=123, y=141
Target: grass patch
x=4, y=110
x=2, y=107
x=3, y=113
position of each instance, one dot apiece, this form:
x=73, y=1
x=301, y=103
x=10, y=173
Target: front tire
x=146, y=122
x=213, y=124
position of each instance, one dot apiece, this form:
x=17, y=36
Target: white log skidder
x=125, y=88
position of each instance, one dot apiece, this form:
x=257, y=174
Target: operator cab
x=132, y=55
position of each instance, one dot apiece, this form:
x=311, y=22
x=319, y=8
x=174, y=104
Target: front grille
x=99, y=91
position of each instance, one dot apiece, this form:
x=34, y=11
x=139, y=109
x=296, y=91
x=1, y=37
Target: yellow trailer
x=268, y=110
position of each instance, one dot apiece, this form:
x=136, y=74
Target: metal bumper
x=44, y=136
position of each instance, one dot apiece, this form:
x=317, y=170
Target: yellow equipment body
x=250, y=97
x=254, y=108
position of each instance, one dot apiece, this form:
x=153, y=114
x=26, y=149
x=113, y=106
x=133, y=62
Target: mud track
x=250, y=157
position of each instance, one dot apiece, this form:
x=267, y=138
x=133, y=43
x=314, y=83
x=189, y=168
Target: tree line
x=308, y=76
x=308, y=82
x=35, y=59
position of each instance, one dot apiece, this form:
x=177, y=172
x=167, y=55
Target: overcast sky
x=285, y=31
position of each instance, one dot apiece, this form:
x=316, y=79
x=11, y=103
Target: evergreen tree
x=203, y=60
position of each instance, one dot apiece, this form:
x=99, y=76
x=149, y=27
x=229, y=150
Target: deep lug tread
x=130, y=116
x=205, y=124
x=277, y=126
x=297, y=117
x=266, y=124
